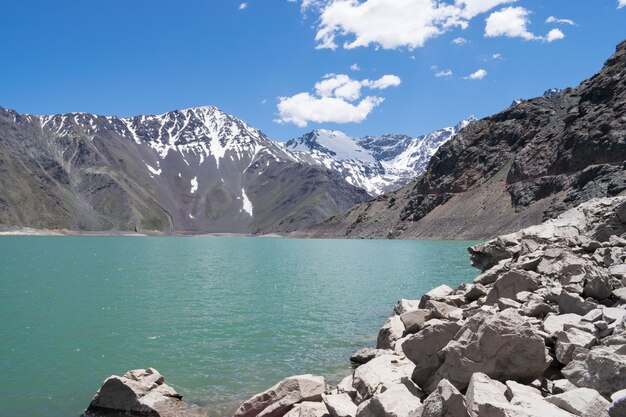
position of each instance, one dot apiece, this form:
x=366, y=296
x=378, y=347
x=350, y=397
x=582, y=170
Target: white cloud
x=337, y=99
x=621, y=3
x=392, y=24
x=513, y=22
x=495, y=57
x=553, y=19
x=243, y=6
x=443, y=73
x=264, y=101
x=477, y=75
x=459, y=41
x=355, y=67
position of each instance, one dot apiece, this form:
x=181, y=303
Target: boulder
x=504, y=346
x=560, y=386
x=567, y=341
x=445, y=401
x=613, y=314
x=414, y=320
x=489, y=254
x=598, y=287
x=435, y=294
x=530, y=402
x=141, y=392
x=536, y=308
x=439, y=310
x=600, y=369
x=618, y=271
x=367, y=354
x=380, y=373
x=618, y=405
x=340, y=405
x=404, y=305
x=279, y=399
x=482, y=391
x=475, y=291
x=510, y=283
x=308, y=409
x=345, y=386
x=572, y=303
x=423, y=348
x=504, y=303
x=554, y=323
x=581, y=402
x=392, y=330
x=491, y=275
x=399, y=400
x=620, y=294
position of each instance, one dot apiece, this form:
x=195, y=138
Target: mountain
x=197, y=170
x=377, y=164
x=511, y=170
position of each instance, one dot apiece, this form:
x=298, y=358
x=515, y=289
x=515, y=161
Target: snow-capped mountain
x=197, y=169
x=377, y=164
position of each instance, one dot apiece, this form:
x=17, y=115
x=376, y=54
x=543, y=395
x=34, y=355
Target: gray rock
x=504, y=346
x=475, y=292
x=613, y=314
x=435, y=294
x=439, y=310
x=568, y=341
x=483, y=391
x=618, y=271
x=392, y=330
x=279, y=399
x=504, y=303
x=445, y=401
x=510, y=283
x=620, y=294
x=141, y=392
x=404, y=305
x=423, y=348
x=554, y=323
x=491, y=275
x=340, y=405
x=414, y=320
x=560, y=386
x=581, y=402
x=536, y=308
x=345, y=386
x=308, y=409
x=367, y=354
x=600, y=369
x=618, y=406
x=593, y=315
x=399, y=400
x=380, y=373
x=572, y=303
x=598, y=287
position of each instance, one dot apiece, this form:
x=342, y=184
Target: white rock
x=308, y=409
x=397, y=401
x=403, y=306
x=510, y=283
x=392, y=330
x=600, y=369
x=279, y=399
x=482, y=391
x=581, y=401
x=445, y=401
x=568, y=341
x=340, y=405
x=379, y=373
x=554, y=323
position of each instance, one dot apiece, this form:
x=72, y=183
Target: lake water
x=220, y=317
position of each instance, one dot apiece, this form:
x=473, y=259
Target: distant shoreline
x=27, y=231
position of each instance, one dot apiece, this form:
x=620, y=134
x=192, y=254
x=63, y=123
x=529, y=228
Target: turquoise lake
x=220, y=317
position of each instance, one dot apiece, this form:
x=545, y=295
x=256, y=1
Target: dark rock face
x=520, y=167
x=194, y=170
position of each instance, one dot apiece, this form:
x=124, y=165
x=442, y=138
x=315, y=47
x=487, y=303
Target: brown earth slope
x=517, y=168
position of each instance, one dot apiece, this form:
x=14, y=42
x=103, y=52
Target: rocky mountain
x=511, y=170
x=197, y=170
x=377, y=164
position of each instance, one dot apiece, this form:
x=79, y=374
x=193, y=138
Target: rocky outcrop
x=541, y=331
x=141, y=392
x=514, y=169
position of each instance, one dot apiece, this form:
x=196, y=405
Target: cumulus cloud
x=477, y=75
x=513, y=22
x=553, y=19
x=621, y=3
x=355, y=67
x=443, y=73
x=243, y=6
x=392, y=24
x=459, y=41
x=337, y=99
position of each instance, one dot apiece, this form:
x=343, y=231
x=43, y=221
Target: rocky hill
x=194, y=170
x=511, y=170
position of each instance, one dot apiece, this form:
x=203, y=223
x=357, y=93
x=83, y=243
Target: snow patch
x=194, y=185
x=153, y=171
x=247, y=204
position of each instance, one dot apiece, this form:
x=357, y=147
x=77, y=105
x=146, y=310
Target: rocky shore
x=540, y=332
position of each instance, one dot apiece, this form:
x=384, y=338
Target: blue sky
x=128, y=57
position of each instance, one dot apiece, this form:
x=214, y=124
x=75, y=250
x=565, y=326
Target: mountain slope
x=511, y=170
x=197, y=170
x=377, y=164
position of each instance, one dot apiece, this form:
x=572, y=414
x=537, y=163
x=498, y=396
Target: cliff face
x=524, y=165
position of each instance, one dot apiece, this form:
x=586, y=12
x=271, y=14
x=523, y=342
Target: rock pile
x=540, y=332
